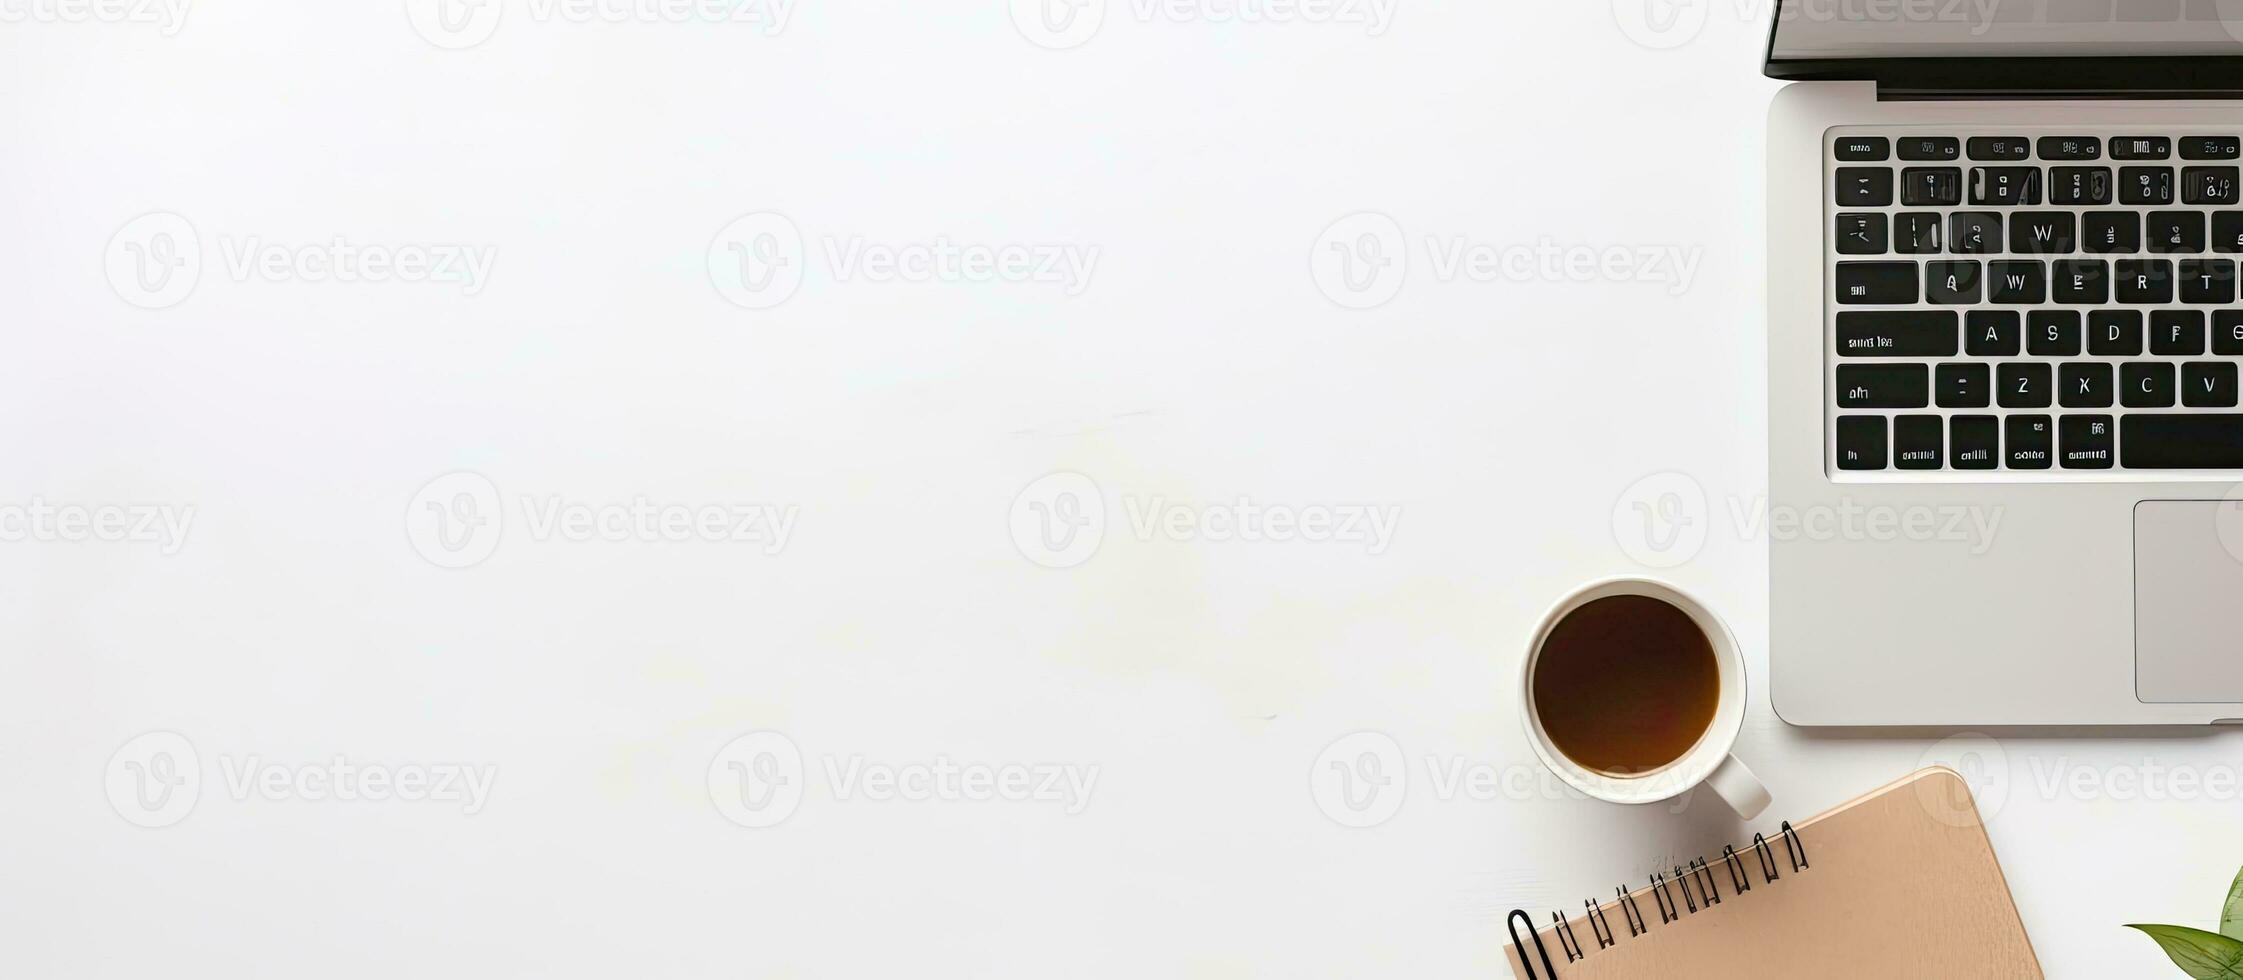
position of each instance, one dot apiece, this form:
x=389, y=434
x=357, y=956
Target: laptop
x=2005, y=424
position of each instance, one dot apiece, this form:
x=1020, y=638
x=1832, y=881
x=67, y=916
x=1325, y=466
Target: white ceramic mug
x=1708, y=763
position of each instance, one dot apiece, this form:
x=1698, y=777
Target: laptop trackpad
x=2188, y=602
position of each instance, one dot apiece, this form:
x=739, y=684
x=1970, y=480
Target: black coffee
x=1626, y=684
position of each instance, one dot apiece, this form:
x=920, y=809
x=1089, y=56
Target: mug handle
x=1738, y=787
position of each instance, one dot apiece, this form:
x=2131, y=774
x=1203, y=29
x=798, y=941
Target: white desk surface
x=1505, y=421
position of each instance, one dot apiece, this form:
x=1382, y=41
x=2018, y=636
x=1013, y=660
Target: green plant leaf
x=2200, y=954
x=2231, y=913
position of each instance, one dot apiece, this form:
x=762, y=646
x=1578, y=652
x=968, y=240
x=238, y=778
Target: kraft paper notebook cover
x=1899, y=883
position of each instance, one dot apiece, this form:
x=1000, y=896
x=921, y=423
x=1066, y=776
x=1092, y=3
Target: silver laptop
x=2006, y=431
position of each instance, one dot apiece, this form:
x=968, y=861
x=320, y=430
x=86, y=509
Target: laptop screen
x=1849, y=29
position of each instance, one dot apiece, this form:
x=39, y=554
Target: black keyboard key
x=2070, y=148
x=2080, y=186
x=2081, y=282
x=1884, y=386
x=1953, y=283
x=1861, y=442
x=1974, y=442
x=1877, y=283
x=1865, y=187
x=2177, y=333
x=2084, y=385
x=2052, y=333
x=2227, y=333
x=1917, y=233
x=2005, y=186
x=2176, y=231
x=1862, y=149
x=2207, y=281
x=2017, y=283
x=1974, y=233
x=2208, y=384
x=2144, y=282
x=1917, y=442
x=2114, y=333
x=2227, y=231
x=2088, y=442
x=1964, y=385
x=2145, y=384
x=2042, y=232
x=1930, y=148
x=2023, y=385
x=2211, y=148
x=2145, y=185
x=2181, y=442
x=2031, y=440
x=2209, y=185
x=2000, y=148
x=1993, y=333
x=1929, y=333
x=2112, y=232
x=2141, y=148
x=1930, y=187
x=1861, y=234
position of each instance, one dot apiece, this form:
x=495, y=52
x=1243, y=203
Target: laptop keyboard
x=2061, y=303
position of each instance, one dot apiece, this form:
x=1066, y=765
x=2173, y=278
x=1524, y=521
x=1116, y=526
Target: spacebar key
x=2181, y=442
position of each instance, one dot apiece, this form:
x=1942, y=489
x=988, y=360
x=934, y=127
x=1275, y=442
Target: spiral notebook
x=1899, y=883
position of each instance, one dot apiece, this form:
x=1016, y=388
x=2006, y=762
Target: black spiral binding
x=1698, y=875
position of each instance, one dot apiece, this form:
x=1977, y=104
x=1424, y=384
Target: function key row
x=2040, y=442
x=1934, y=187
x=1863, y=149
x=2038, y=232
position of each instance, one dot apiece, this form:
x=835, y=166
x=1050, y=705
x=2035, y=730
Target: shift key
x=1884, y=386
x=1878, y=283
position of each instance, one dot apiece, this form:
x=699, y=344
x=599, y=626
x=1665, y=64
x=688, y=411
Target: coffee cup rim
x=1694, y=766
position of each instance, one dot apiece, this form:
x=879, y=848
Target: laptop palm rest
x=2188, y=601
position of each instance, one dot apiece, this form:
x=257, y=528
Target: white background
x=1505, y=421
